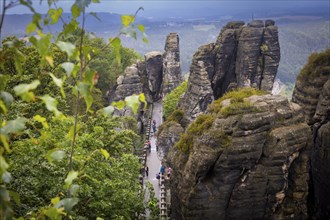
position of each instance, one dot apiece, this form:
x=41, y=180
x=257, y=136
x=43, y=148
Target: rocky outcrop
x=154, y=74
x=312, y=93
x=172, y=76
x=199, y=93
x=243, y=56
x=248, y=162
x=157, y=74
x=128, y=84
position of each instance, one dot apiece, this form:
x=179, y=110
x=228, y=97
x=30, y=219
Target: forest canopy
x=63, y=155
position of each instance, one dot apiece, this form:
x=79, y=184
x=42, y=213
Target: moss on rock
x=237, y=103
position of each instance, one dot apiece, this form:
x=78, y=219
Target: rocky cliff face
x=128, y=84
x=154, y=74
x=172, y=76
x=157, y=74
x=199, y=93
x=312, y=93
x=249, y=159
x=243, y=56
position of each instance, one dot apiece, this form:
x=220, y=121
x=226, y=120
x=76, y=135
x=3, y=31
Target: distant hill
x=299, y=35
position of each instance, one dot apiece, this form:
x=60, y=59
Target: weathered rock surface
x=169, y=136
x=154, y=71
x=172, y=76
x=128, y=84
x=243, y=56
x=199, y=93
x=260, y=172
x=312, y=93
x=157, y=74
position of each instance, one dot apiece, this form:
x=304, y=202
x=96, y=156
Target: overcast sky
x=185, y=8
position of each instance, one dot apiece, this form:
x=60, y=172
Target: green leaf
x=30, y=28
x=133, y=102
x=68, y=67
x=67, y=203
x=72, y=175
x=53, y=213
x=89, y=77
x=14, y=126
x=85, y=91
x=55, y=200
x=23, y=90
x=70, y=27
x=75, y=11
x=66, y=47
x=108, y=110
x=55, y=14
x=140, y=27
x=42, y=120
x=57, y=155
x=99, y=218
x=120, y=104
x=15, y=197
x=6, y=97
x=3, y=81
x=51, y=104
x=50, y=60
x=4, y=140
x=6, y=177
x=3, y=107
x=127, y=20
x=58, y=82
x=142, y=98
x=116, y=44
x=71, y=131
x=74, y=188
x=144, y=38
x=105, y=153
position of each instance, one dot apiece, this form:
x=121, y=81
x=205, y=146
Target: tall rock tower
x=172, y=76
x=243, y=56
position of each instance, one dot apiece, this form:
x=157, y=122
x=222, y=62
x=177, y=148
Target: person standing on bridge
x=162, y=169
x=154, y=128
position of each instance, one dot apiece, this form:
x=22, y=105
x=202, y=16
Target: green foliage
x=175, y=117
x=201, y=124
x=236, y=96
x=171, y=100
x=106, y=64
x=153, y=202
x=108, y=187
x=238, y=108
x=101, y=179
x=318, y=64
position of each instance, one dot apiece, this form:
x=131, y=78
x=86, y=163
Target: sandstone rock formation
x=199, y=93
x=247, y=164
x=153, y=71
x=157, y=74
x=172, y=76
x=128, y=84
x=312, y=93
x=243, y=56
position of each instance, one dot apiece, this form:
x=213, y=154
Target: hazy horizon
x=192, y=9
